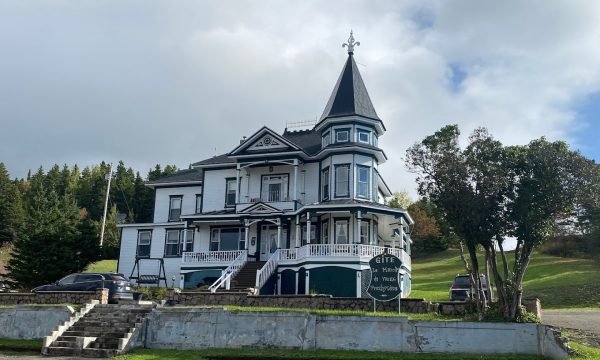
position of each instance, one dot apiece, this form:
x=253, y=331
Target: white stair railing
x=263, y=274
x=230, y=272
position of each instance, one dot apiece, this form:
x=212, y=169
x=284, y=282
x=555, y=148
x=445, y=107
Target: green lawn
x=102, y=266
x=231, y=354
x=558, y=282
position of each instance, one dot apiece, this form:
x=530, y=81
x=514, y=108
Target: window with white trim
x=313, y=234
x=227, y=239
x=362, y=181
x=341, y=232
x=187, y=242
x=172, y=243
x=342, y=180
x=342, y=135
x=198, y=203
x=175, y=207
x=143, y=243
x=326, y=139
x=230, y=192
x=325, y=183
x=363, y=136
x=365, y=235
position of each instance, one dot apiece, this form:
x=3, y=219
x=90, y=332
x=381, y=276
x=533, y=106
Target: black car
x=118, y=285
x=462, y=290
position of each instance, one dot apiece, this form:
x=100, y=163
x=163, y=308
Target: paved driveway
x=587, y=322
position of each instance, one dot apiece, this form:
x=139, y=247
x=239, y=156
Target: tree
x=12, y=215
x=469, y=186
x=400, y=200
x=426, y=235
x=551, y=181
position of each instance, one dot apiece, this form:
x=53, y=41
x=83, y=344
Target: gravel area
x=586, y=323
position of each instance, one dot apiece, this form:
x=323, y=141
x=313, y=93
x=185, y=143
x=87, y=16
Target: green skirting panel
x=288, y=282
x=333, y=280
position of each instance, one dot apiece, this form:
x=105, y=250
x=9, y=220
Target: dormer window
x=364, y=136
x=342, y=135
x=326, y=138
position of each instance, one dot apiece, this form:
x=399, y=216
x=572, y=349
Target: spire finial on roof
x=350, y=44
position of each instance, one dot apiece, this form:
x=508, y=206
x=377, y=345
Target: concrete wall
x=197, y=328
x=31, y=322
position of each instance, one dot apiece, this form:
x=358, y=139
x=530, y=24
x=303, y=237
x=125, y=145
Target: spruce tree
x=12, y=214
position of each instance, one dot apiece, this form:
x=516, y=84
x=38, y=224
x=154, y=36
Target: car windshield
x=462, y=280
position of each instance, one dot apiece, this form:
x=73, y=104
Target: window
x=341, y=231
x=363, y=136
x=364, y=232
x=143, y=246
x=342, y=135
x=342, y=183
x=313, y=234
x=375, y=140
x=172, y=243
x=175, y=207
x=325, y=183
x=198, y=203
x=325, y=232
x=67, y=280
x=89, y=278
x=188, y=242
x=274, y=188
x=227, y=239
x=230, y=192
x=326, y=138
x=362, y=184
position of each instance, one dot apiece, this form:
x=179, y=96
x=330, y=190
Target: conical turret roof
x=349, y=96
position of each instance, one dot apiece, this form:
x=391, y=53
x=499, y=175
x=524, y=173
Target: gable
x=267, y=142
x=264, y=140
x=260, y=208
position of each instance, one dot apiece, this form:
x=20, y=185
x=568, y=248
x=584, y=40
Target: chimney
x=243, y=140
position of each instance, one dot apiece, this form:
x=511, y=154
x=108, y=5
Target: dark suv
x=118, y=285
x=462, y=290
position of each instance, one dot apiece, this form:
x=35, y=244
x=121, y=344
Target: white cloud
x=170, y=82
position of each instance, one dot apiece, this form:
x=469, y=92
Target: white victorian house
x=294, y=213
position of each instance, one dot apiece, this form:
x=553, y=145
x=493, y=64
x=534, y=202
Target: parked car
x=462, y=289
x=118, y=285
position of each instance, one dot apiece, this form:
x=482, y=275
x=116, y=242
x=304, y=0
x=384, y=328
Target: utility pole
x=105, y=205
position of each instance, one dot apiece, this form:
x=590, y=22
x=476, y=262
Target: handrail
x=336, y=250
x=263, y=274
x=230, y=272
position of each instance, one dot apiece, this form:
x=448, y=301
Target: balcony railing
x=365, y=252
x=265, y=196
x=211, y=256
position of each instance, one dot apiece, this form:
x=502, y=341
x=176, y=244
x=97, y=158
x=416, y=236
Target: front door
x=268, y=241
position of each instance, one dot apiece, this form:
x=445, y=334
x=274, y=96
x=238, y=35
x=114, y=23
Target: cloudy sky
x=179, y=81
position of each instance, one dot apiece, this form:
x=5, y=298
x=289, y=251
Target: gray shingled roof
x=219, y=159
x=307, y=140
x=181, y=176
x=349, y=96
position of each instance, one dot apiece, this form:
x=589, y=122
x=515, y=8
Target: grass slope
x=558, y=282
x=102, y=266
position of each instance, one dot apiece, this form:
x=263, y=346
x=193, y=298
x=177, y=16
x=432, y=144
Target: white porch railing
x=337, y=250
x=230, y=272
x=263, y=274
x=211, y=256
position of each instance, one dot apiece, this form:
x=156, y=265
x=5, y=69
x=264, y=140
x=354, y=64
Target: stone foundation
x=176, y=297
x=55, y=297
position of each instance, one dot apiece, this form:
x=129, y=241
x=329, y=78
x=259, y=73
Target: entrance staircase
x=104, y=331
x=246, y=277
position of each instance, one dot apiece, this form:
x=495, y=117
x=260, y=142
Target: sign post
x=385, y=275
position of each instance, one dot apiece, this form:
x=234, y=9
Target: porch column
x=297, y=231
x=279, y=233
x=402, y=233
x=295, y=197
x=237, y=184
x=246, y=233
x=358, y=222
x=307, y=228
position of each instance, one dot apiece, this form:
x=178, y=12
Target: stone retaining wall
x=199, y=328
x=175, y=297
x=55, y=297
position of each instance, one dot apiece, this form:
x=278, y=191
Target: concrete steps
x=103, y=331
